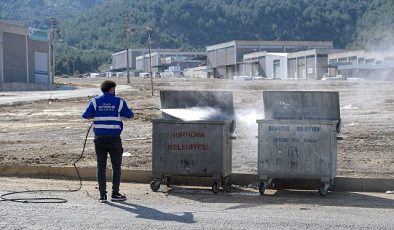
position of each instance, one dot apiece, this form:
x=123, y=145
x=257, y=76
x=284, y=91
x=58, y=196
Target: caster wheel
x=155, y=185
x=167, y=181
x=262, y=187
x=323, y=190
x=276, y=186
x=215, y=187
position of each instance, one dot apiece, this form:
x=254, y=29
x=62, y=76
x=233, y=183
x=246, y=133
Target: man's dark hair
x=107, y=85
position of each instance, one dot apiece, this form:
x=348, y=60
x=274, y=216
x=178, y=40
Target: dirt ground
x=51, y=132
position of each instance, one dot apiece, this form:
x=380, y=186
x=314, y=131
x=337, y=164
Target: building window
x=369, y=60
x=333, y=61
x=353, y=60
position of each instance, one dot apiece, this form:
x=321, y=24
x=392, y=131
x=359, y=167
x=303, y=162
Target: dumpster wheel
x=167, y=181
x=215, y=187
x=155, y=185
x=262, y=187
x=323, y=190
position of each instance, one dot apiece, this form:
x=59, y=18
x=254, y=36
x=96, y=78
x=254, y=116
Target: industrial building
x=24, y=57
x=309, y=64
x=264, y=64
x=196, y=72
x=308, y=60
x=172, y=61
x=224, y=60
x=119, y=59
x=362, y=64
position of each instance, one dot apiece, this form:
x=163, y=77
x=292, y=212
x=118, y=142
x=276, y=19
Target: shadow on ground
x=251, y=197
x=154, y=214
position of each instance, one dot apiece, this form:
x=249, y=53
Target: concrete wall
x=139, y=63
x=119, y=60
x=301, y=68
x=281, y=72
x=221, y=57
x=262, y=67
x=249, y=69
x=292, y=68
x=15, y=58
x=197, y=72
x=310, y=67
x=143, y=63
x=18, y=58
x=211, y=58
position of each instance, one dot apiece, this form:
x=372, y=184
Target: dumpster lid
x=318, y=105
x=194, y=105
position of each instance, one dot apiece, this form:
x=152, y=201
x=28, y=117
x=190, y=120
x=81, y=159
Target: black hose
x=48, y=199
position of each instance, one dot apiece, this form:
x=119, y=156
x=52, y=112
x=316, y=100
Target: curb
x=348, y=184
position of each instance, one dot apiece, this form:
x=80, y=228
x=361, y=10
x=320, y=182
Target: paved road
x=194, y=208
x=62, y=93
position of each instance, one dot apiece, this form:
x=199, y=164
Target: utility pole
x=53, y=39
x=127, y=29
x=149, y=30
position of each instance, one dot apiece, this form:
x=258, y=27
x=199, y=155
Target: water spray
x=195, y=113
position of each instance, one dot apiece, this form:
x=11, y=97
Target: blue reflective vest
x=107, y=111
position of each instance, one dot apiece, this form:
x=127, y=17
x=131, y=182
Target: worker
x=107, y=111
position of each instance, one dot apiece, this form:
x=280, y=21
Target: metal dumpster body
x=297, y=138
x=201, y=148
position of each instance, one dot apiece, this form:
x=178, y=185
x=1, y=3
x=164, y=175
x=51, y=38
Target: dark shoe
x=103, y=198
x=118, y=197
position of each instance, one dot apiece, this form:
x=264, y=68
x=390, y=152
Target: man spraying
x=107, y=111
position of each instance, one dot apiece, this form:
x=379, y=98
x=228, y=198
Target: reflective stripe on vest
x=106, y=126
x=94, y=103
x=107, y=119
x=120, y=105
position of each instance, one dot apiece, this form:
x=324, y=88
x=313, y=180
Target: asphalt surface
x=61, y=93
x=192, y=208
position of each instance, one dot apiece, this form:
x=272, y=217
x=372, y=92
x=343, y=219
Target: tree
x=375, y=29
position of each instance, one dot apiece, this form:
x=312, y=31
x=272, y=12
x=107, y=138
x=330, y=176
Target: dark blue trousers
x=113, y=146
